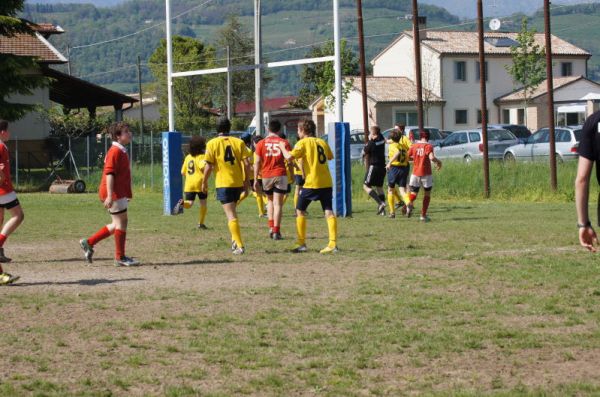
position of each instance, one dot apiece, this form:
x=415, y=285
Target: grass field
x=490, y=298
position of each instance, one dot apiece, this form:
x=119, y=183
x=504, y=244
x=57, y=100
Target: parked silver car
x=537, y=147
x=435, y=136
x=357, y=144
x=467, y=145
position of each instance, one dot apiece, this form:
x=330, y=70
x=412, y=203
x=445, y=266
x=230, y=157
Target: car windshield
x=501, y=135
x=577, y=135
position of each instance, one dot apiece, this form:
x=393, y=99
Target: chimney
x=422, y=21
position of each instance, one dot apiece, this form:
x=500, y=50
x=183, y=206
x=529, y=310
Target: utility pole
x=139, y=76
x=229, y=83
x=69, y=59
x=550, y=89
x=418, y=75
x=363, y=69
x=258, y=72
x=483, y=90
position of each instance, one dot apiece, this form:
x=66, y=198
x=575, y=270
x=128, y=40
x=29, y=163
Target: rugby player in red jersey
x=421, y=153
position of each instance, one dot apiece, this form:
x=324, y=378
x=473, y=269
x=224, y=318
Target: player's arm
x=208, y=169
x=110, y=189
x=587, y=235
x=436, y=161
x=248, y=170
x=394, y=158
x=257, y=168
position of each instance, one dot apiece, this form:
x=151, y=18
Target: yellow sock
x=243, y=197
x=202, y=216
x=391, y=201
x=332, y=226
x=397, y=195
x=260, y=203
x=301, y=229
x=187, y=204
x=236, y=235
x=295, y=200
x=406, y=199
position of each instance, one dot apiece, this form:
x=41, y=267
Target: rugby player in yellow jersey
x=314, y=153
x=398, y=169
x=228, y=158
x=260, y=198
x=193, y=171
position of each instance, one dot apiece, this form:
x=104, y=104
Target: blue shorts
x=191, y=196
x=227, y=195
x=398, y=176
x=299, y=180
x=325, y=196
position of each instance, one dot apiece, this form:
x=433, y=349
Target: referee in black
x=589, y=152
x=374, y=152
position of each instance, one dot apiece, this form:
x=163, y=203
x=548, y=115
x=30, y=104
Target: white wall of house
x=575, y=91
x=33, y=126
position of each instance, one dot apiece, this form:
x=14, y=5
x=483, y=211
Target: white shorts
x=119, y=206
x=425, y=182
x=8, y=198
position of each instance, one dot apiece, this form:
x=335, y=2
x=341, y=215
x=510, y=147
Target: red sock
x=120, y=243
x=426, y=201
x=275, y=229
x=412, y=197
x=2, y=240
x=270, y=223
x=99, y=236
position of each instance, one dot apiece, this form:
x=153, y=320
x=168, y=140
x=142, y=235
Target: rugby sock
x=412, y=197
x=2, y=240
x=236, y=235
x=276, y=229
x=120, y=243
x=391, y=202
x=332, y=226
x=99, y=236
x=271, y=223
x=406, y=198
x=375, y=197
x=381, y=197
x=260, y=203
x=301, y=229
x=187, y=204
x=202, y=217
x=296, y=200
x=243, y=197
x=397, y=195
x=426, y=201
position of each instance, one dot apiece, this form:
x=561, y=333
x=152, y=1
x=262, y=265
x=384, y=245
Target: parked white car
x=537, y=147
x=468, y=145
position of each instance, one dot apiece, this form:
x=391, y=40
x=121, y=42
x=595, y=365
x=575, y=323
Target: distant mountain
x=501, y=8
x=97, y=3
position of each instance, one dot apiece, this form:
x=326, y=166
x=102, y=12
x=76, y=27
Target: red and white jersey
x=420, y=152
x=273, y=162
x=6, y=186
x=117, y=164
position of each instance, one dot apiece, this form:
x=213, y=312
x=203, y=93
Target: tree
x=528, y=68
x=193, y=96
x=18, y=75
x=319, y=79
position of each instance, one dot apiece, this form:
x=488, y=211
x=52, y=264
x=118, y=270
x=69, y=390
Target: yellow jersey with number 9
x=314, y=153
x=193, y=170
x=402, y=146
x=227, y=155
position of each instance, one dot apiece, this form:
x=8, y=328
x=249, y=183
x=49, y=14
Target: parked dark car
x=520, y=131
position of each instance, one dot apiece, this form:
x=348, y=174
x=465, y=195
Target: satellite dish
x=495, y=24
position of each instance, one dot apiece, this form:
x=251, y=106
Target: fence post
x=17, y=161
x=88, y=157
x=152, y=159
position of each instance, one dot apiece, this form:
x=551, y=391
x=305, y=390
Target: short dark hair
x=223, y=125
x=116, y=129
x=424, y=135
x=309, y=127
x=274, y=126
x=197, y=145
x=375, y=129
x=400, y=125
x=3, y=125
x=395, y=136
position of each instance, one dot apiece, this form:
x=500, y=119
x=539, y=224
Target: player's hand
x=108, y=202
x=438, y=165
x=247, y=187
x=257, y=187
x=387, y=167
x=588, y=238
x=204, y=188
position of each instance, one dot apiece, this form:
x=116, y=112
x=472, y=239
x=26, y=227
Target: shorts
x=375, y=176
x=9, y=200
x=325, y=196
x=277, y=184
x=227, y=195
x=119, y=206
x=398, y=176
x=299, y=180
x=191, y=196
x=416, y=182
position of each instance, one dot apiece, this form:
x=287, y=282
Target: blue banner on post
x=341, y=168
x=172, y=180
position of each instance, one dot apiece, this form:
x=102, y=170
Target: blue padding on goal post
x=172, y=180
x=338, y=135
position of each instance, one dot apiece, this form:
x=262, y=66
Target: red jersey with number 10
x=6, y=184
x=420, y=152
x=273, y=162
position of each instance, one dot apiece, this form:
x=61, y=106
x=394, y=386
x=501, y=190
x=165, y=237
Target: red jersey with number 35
x=6, y=184
x=420, y=152
x=273, y=162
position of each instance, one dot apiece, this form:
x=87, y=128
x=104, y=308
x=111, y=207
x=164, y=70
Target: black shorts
x=191, y=196
x=299, y=180
x=398, y=176
x=10, y=205
x=375, y=176
x=227, y=195
x=325, y=196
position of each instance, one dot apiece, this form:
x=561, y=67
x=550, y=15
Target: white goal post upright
x=171, y=104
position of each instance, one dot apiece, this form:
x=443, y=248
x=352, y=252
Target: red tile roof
x=269, y=105
x=32, y=46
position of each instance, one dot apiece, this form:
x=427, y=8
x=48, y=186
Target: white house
x=450, y=75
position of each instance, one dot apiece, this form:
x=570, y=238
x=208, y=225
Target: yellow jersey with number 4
x=402, y=146
x=227, y=155
x=193, y=170
x=314, y=153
